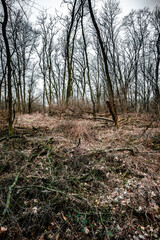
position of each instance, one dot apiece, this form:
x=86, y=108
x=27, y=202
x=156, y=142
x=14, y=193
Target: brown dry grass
x=36, y=120
x=3, y=120
x=79, y=129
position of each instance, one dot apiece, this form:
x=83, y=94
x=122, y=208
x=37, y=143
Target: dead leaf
x=57, y=236
x=3, y=229
x=65, y=219
x=41, y=237
x=86, y=230
x=143, y=228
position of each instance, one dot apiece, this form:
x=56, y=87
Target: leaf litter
x=81, y=181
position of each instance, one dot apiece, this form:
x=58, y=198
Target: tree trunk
x=0, y=95
x=4, y=25
x=88, y=68
x=29, y=102
x=112, y=109
x=69, y=54
x=157, y=92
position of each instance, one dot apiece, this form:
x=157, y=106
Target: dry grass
x=3, y=119
x=36, y=120
x=80, y=129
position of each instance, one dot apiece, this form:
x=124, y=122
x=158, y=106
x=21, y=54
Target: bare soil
x=70, y=178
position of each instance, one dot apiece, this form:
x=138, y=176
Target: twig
x=148, y=126
x=102, y=222
x=122, y=149
x=110, y=150
x=50, y=165
x=9, y=137
x=14, y=184
x=124, y=175
x=104, y=119
x=79, y=142
x=67, y=194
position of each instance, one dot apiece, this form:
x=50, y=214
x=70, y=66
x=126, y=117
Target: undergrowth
x=52, y=188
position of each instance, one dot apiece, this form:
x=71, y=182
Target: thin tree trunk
x=157, y=92
x=0, y=95
x=29, y=102
x=69, y=56
x=88, y=68
x=64, y=79
x=136, y=85
x=24, y=82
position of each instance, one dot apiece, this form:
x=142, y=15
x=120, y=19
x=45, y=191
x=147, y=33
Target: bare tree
x=8, y=54
x=70, y=47
x=111, y=102
x=87, y=64
x=156, y=88
x=136, y=31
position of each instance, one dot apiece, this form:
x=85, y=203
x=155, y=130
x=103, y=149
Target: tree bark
x=157, y=92
x=4, y=25
x=69, y=53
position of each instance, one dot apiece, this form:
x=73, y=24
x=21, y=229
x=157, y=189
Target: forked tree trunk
x=69, y=56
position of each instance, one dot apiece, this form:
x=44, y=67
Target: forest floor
x=80, y=179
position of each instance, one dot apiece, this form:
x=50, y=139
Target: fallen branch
x=90, y=154
x=104, y=119
x=148, y=126
x=72, y=196
x=9, y=137
x=122, y=149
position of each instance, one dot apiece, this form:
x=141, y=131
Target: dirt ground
x=78, y=178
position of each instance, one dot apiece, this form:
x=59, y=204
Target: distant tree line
x=90, y=55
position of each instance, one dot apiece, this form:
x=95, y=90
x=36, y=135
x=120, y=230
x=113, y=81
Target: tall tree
x=111, y=102
x=136, y=31
x=110, y=27
x=156, y=89
x=87, y=64
x=70, y=48
x=8, y=54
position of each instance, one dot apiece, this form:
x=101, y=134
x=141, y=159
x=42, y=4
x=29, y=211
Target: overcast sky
x=126, y=5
